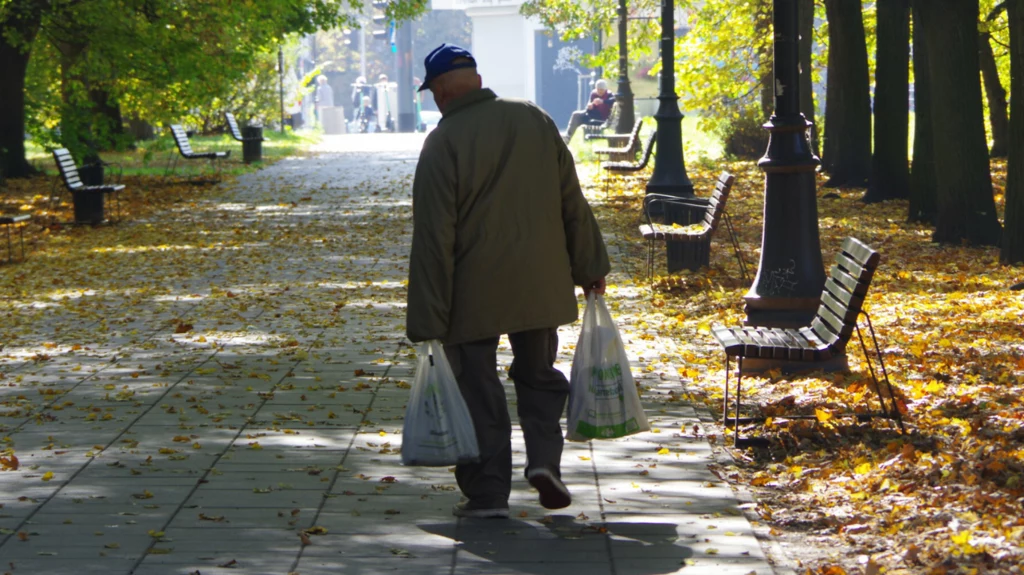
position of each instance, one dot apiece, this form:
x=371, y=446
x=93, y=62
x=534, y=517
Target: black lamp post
x=669, y=176
x=787, y=289
x=625, y=92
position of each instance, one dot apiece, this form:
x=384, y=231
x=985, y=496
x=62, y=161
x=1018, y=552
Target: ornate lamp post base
x=787, y=289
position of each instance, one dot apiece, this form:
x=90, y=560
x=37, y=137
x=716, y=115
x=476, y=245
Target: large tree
x=847, y=147
x=966, y=207
x=923, y=202
x=890, y=172
x=19, y=25
x=1013, y=240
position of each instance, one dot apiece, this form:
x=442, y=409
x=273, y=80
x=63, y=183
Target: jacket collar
x=467, y=100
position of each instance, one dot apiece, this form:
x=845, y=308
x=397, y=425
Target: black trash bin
x=252, y=144
x=88, y=206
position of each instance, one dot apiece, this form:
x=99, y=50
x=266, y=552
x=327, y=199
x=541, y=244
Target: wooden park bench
x=622, y=147
x=627, y=167
x=18, y=221
x=185, y=151
x=701, y=232
x=826, y=337
x=88, y=201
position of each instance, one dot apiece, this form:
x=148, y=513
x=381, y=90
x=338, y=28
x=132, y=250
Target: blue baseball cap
x=442, y=60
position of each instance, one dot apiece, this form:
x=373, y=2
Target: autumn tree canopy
x=84, y=66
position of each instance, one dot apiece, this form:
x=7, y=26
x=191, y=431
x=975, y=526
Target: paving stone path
x=220, y=390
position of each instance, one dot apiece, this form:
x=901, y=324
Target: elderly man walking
x=501, y=235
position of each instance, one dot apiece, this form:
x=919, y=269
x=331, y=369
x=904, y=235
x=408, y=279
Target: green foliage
x=163, y=61
x=573, y=20
x=721, y=62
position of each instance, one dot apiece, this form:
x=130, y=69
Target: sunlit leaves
x=943, y=499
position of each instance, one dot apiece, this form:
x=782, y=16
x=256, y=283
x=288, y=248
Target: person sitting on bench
x=597, y=112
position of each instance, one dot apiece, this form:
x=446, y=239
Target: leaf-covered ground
x=848, y=497
x=853, y=497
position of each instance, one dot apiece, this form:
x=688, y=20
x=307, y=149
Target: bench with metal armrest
x=88, y=201
x=701, y=232
x=824, y=338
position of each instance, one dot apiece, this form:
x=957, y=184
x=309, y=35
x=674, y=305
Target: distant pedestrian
x=501, y=234
x=418, y=104
x=599, y=107
x=360, y=91
x=324, y=96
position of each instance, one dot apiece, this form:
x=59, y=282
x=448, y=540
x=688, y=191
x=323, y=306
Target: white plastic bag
x=438, y=429
x=603, y=401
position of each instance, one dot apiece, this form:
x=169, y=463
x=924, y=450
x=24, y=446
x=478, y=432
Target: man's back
x=497, y=189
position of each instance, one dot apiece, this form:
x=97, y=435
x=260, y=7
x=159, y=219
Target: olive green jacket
x=501, y=230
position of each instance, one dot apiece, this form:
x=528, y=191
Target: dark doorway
x=558, y=75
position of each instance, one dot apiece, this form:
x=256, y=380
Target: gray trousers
x=541, y=390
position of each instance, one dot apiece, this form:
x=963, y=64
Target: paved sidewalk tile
x=229, y=400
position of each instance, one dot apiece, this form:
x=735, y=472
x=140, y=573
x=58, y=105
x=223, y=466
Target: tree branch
x=999, y=9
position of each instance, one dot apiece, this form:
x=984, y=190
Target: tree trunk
x=624, y=98
x=833, y=119
x=108, y=111
x=140, y=129
x=996, y=97
x=763, y=27
x=967, y=210
x=14, y=63
x=849, y=123
x=923, y=203
x=1013, y=236
x=890, y=172
x=805, y=10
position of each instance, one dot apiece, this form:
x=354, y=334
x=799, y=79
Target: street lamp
x=787, y=289
x=669, y=176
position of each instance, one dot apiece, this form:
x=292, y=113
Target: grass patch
x=151, y=157
x=698, y=146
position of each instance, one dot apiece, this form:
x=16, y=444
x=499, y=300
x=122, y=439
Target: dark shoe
x=553, y=494
x=466, y=508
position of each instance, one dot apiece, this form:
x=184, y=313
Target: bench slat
x=776, y=347
x=847, y=281
x=860, y=253
x=841, y=310
x=827, y=325
x=800, y=347
x=838, y=292
x=856, y=270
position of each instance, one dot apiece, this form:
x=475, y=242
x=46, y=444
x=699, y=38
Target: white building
x=516, y=57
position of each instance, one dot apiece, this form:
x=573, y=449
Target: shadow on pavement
x=560, y=544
